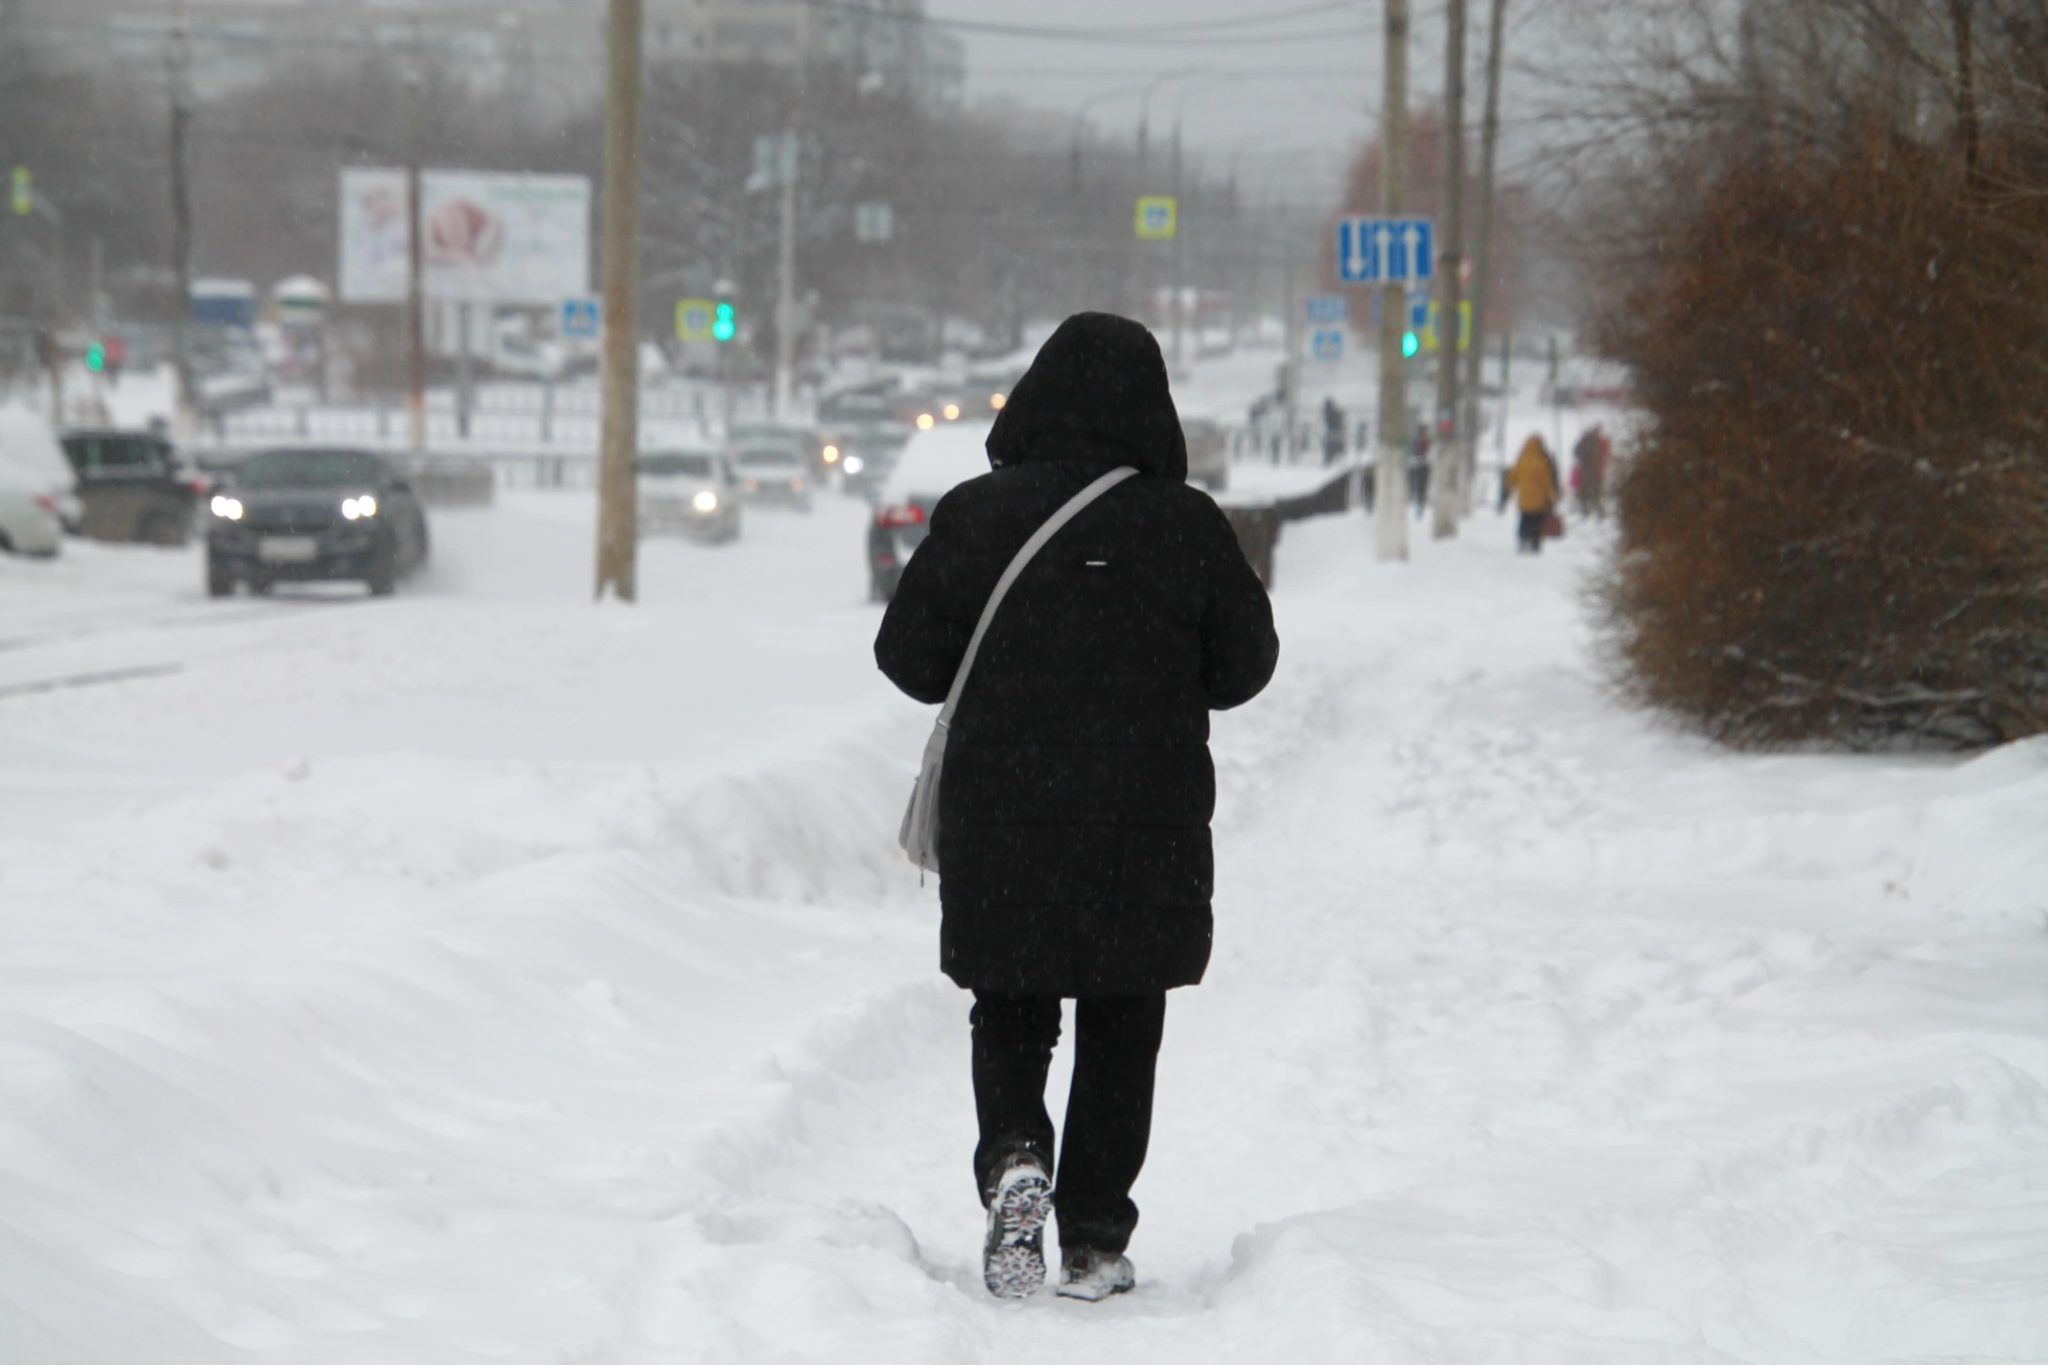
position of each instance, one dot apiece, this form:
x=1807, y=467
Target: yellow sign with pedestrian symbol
x=695, y=319
x=1158, y=217
x=1464, y=327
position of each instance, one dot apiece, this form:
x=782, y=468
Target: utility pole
x=1391, y=476
x=1180, y=253
x=789, y=160
x=1483, y=264
x=186, y=408
x=1447, y=492
x=619, y=429
x=415, y=254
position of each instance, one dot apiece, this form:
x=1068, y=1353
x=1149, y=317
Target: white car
x=31, y=460
x=28, y=520
x=688, y=492
x=776, y=473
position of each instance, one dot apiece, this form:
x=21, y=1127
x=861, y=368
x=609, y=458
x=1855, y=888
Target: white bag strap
x=1031, y=547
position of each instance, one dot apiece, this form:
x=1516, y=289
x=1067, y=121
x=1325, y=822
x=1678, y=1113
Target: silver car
x=688, y=492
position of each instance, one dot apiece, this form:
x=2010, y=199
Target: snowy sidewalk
x=1535, y=1033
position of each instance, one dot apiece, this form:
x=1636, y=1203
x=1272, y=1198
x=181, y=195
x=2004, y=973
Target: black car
x=313, y=514
x=133, y=487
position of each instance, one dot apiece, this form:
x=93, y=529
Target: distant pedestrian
x=1418, y=468
x=1589, y=472
x=1073, y=819
x=1333, y=432
x=1532, y=482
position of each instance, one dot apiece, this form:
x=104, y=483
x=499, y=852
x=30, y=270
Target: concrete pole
x=1391, y=477
x=1483, y=263
x=415, y=261
x=1447, y=464
x=789, y=163
x=619, y=427
x=185, y=417
x=1180, y=254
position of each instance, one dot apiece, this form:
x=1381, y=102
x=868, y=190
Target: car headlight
x=925, y=421
x=854, y=464
x=997, y=400
x=952, y=412
x=356, y=508
x=706, y=501
x=229, y=508
x=831, y=454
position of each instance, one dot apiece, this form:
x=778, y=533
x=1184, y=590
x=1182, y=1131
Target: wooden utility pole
x=1391, y=476
x=1483, y=263
x=1448, y=496
x=619, y=432
x=185, y=401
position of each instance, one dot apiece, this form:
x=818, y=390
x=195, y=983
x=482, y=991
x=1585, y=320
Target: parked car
x=31, y=458
x=313, y=514
x=29, y=524
x=1208, y=453
x=134, y=487
x=688, y=492
x=932, y=464
x=773, y=472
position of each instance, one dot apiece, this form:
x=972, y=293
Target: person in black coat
x=1073, y=821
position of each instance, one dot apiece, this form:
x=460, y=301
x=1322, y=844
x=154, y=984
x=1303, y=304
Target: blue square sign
x=1327, y=344
x=1385, y=250
x=579, y=318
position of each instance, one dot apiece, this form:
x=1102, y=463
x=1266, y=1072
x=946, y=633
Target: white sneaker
x=1095, y=1275
x=1013, y=1257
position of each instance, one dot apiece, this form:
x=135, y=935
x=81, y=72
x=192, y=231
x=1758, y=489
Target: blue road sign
x=1385, y=250
x=579, y=318
x=1327, y=344
x=1327, y=308
x=1418, y=310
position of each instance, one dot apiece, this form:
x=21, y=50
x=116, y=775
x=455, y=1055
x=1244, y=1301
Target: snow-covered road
x=485, y=976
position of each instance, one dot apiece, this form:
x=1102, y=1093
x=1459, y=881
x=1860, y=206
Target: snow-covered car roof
x=29, y=453
x=936, y=460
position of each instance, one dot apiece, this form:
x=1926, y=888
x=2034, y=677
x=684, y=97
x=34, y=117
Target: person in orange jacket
x=1533, y=482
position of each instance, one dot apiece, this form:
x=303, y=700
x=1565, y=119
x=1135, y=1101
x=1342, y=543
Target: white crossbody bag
x=920, y=833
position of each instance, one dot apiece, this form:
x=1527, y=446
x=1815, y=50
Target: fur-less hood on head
x=1097, y=393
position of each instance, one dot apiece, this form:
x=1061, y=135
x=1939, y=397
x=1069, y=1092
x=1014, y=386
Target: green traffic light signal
x=722, y=326
x=1410, y=344
x=96, y=358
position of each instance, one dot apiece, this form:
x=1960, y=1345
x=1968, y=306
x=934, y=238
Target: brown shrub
x=1835, y=528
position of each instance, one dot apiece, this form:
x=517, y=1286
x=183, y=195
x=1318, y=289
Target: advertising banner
x=488, y=238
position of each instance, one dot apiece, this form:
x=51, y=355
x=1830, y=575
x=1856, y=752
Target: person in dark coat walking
x=1073, y=822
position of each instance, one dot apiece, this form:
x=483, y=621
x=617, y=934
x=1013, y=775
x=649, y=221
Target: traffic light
x=723, y=326
x=96, y=357
x=1410, y=344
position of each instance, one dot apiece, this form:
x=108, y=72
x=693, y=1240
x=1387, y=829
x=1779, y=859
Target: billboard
x=488, y=238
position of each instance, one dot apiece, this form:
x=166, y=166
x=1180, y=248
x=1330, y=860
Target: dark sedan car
x=311, y=515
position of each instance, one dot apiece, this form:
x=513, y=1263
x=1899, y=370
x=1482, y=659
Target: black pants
x=1109, y=1106
x=1529, y=533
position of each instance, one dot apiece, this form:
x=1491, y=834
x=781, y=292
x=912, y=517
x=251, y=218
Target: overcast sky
x=1292, y=86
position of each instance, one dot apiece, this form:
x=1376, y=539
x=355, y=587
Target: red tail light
x=907, y=514
x=48, y=504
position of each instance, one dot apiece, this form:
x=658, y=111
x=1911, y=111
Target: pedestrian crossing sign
x=1158, y=217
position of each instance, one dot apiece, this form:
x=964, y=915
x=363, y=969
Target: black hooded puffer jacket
x=1074, y=816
